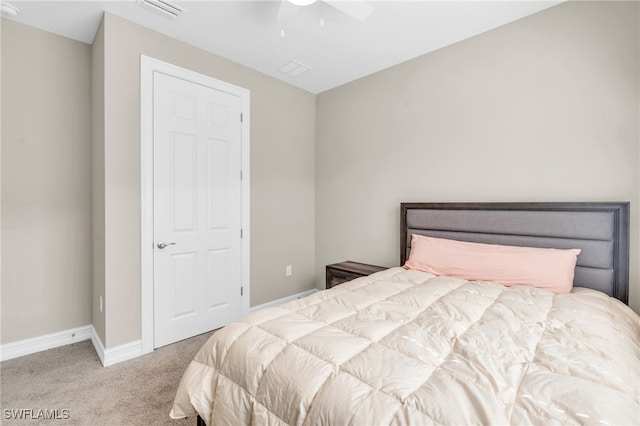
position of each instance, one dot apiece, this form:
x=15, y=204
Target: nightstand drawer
x=339, y=277
x=339, y=273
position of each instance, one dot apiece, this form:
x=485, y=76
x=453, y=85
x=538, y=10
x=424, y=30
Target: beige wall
x=282, y=172
x=98, y=188
x=46, y=183
x=543, y=109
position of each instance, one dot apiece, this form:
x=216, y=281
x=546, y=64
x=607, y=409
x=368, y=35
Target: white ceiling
x=249, y=32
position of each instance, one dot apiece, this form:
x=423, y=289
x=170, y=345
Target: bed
x=405, y=346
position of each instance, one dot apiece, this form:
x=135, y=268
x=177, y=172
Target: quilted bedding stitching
x=524, y=372
x=254, y=400
x=378, y=341
x=329, y=324
x=384, y=341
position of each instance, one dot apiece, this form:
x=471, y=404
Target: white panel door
x=197, y=209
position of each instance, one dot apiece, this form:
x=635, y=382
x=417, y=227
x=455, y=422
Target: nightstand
x=339, y=273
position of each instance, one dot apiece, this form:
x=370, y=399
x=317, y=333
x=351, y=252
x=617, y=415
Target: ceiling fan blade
x=278, y=23
x=359, y=9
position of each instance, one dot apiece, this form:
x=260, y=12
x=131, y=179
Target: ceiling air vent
x=163, y=7
x=294, y=68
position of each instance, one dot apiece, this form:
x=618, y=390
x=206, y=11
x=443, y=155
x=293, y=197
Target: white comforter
x=406, y=347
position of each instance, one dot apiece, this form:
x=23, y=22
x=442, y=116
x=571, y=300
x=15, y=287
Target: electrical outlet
x=288, y=271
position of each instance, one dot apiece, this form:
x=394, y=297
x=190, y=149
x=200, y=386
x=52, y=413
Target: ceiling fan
x=358, y=9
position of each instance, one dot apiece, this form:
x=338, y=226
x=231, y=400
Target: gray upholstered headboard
x=600, y=230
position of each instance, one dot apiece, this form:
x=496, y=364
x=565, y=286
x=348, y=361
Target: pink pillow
x=550, y=269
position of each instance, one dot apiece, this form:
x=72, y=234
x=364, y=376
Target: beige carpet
x=135, y=392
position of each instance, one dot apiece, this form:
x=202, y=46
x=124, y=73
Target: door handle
x=162, y=245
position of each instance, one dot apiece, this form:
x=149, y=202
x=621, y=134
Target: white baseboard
x=88, y=332
x=43, y=343
x=284, y=300
x=97, y=344
x=55, y=340
x=115, y=355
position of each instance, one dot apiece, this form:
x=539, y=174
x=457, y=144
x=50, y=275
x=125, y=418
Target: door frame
x=148, y=66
